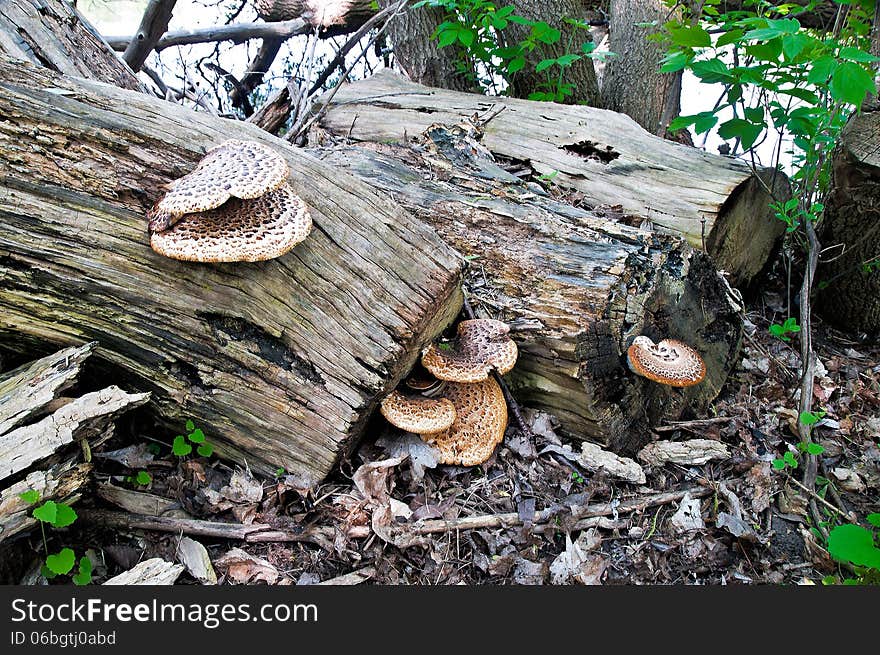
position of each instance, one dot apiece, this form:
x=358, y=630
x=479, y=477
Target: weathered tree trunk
x=581, y=74
x=631, y=83
x=849, y=293
x=574, y=287
x=280, y=362
x=53, y=34
x=619, y=169
x=419, y=55
x=40, y=433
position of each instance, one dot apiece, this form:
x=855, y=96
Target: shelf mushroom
x=235, y=205
x=670, y=362
x=458, y=374
x=480, y=346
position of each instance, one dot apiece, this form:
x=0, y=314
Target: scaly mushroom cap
x=239, y=230
x=480, y=346
x=480, y=422
x=234, y=169
x=418, y=414
x=669, y=362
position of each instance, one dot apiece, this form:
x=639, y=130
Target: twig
x=672, y=426
x=245, y=103
x=236, y=32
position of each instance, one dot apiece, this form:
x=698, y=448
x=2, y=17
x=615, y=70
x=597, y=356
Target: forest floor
x=532, y=514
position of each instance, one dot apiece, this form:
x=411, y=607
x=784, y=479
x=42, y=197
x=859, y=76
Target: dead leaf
x=244, y=568
x=530, y=573
x=849, y=479
x=372, y=479
x=687, y=517
x=194, y=556
x=576, y=563
x=422, y=455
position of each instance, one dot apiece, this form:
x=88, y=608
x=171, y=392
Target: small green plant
x=577, y=477
x=790, y=326
x=280, y=472
x=859, y=547
x=142, y=478
x=58, y=515
x=181, y=446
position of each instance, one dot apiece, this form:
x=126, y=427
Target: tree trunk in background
x=419, y=55
x=581, y=73
x=850, y=295
x=282, y=362
x=631, y=83
x=618, y=168
x=53, y=34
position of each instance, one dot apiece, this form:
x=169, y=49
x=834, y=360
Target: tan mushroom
x=480, y=346
x=418, y=414
x=234, y=169
x=238, y=230
x=669, y=362
x=480, y=422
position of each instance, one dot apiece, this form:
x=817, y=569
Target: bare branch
x=153, y=25
x=236, y=32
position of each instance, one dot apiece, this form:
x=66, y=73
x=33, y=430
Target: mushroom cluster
x=669, y=362
x=453, y=402
x=234, y=206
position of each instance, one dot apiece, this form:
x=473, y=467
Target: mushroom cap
x=418, y=414
x=234, y=169
x=239, y=230
x=669, y=362
x=480, y=346
x=480, y=422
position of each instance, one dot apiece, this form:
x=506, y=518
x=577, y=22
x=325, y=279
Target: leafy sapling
x=181, y=446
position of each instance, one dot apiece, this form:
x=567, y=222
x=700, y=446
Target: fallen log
x=40, y=438
x=574, y=287
x=621, y=170
x=52, y=33
x=280, y=362
x=849, y=283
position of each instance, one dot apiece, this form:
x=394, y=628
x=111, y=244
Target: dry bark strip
x=617, y=166
x=573, y=286
x=280, y=362
x=52, y=33
x=155, y=571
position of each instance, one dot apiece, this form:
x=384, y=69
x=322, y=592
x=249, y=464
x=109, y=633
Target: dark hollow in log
x=617, y=166
x=574, y=287
x=849, y=284
x=280, y=362
x=40, y=433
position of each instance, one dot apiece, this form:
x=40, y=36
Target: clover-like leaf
x=179, y=447
x=62, y=562
x=143, y=478
x=47, y=512
x=205, y=450
x=64, y=515
x=30, y=496
x=84, y=576
x=196, y=436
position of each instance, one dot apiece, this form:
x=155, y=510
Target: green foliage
x=58, y=515
x=31, y=496
x=788, y=460
x=476, y=29
x=61, y=562
x=181, y=446
x=84, y=575
x=790, y=326
x=859, y=547
x=143, y=478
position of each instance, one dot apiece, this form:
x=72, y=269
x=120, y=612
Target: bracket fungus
x=234, y=206
x=458, y=379
x=480, y=346
x=670, y=362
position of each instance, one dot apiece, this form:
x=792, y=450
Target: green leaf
x=466, y=37
x=84, y=576
x=855, y=54
x=674, y=62
x=874, y=519
x=790, y=459
x=850, y=83
x=205, y=450
x=815, y=449
x=774, y=29
x=793, y=45
x=64, y=515
x=754, y=115
x=143, y=478
x=690, y=37
x=544, y=64
x=30, y=496
x=46, y=573
x=732, y=36
x=808, y=418
x=47, y=512
x=196, y=436
x=516, y=65
x=706, y=121
x=447, y=38
x=853, y=543
x=822, y=69
x=60, y=563
x=190, y=425
x=747, y=132
x=567, y=60
x=180, y=447
x=778, y=464
x=711, y=71
x=768, y=51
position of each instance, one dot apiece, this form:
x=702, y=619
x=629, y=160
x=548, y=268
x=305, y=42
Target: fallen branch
x=153, y=25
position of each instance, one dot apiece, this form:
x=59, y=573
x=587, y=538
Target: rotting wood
x=155, y=571
x=52, y=33
x=574, y=287
x=618, y=167
x=280, y=362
